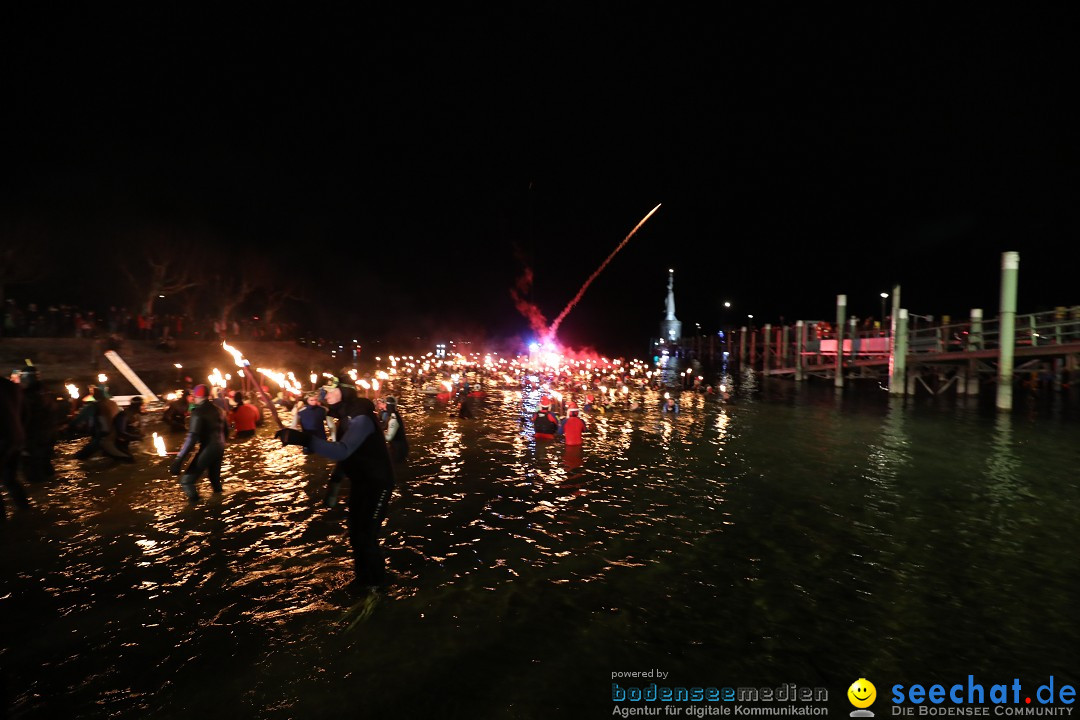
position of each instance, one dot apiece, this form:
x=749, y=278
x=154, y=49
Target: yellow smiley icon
x=862, y=693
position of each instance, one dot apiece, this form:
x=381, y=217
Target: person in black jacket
x=208, y=431
x=12, y=440
x=39, y=424
x=362, y=456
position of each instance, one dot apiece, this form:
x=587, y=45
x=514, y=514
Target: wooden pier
x=938, y=357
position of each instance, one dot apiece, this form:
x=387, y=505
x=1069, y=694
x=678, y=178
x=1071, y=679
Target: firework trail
x=549, y=334
x=532, y=313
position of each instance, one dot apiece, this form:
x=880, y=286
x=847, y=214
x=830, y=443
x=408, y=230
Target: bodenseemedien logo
x=862, y=694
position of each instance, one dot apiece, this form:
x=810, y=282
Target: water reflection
x=889, y=456
x=759, y=538
x=1002, y=464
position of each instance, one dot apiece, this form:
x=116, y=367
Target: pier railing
x=775, y=346
x=1048, y=339
x=1032, y=329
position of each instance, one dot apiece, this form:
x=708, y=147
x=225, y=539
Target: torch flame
x=159, y=445
x=285, y=382
x=72, y=391
x=238, y=357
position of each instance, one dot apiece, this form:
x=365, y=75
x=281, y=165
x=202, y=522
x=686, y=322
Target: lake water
x=789, y=535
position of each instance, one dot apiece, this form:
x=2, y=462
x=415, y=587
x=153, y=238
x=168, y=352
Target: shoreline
x=81, y=359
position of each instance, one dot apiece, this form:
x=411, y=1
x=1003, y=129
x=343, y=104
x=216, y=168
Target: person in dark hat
x=362, y=456
x=207, y=430
x=128, y=424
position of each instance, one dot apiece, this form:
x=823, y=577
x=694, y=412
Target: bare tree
x=159, y=266
x=22, y=260
x=231, y=290
x=276, y=289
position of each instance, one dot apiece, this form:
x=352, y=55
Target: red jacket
x=244, y=417
x=572, y=428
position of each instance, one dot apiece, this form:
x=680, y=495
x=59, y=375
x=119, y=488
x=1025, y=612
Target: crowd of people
x=366, y=439
x=61, y=320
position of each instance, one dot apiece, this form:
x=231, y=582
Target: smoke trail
x=549, y=334
x=532, y=313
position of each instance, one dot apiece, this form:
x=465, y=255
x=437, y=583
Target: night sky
x=409, y=166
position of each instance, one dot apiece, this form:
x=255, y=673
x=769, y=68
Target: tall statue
x=671, y=295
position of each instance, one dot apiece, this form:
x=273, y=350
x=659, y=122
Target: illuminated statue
x=671, y=328
x=670, y=295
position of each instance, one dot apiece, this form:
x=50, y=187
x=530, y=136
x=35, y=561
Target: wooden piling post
x=1010, y=270
x=841, y=312
x=898, y=355
x=800, y=343
x=854, y=332
x=975, y=337
x=766, y=350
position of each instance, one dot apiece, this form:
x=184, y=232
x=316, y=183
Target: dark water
x=787, y=536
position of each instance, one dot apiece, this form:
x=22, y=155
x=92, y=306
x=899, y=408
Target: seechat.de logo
x=862, y=695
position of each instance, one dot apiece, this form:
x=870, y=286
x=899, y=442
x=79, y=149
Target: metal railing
x=1053, y=327
x=1032, y=329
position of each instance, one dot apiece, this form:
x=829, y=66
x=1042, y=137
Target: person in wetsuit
x=128, y=424
x=39, y=423
x=208, y=431
x=362, y=456
x=99, y=414
x=545, y=423
x=12, y=440
x=175, y=414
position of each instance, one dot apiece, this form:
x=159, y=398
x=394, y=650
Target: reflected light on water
x=740, y=536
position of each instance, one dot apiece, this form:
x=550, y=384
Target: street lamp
x=883, y=296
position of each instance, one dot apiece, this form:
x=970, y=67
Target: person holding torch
x=361, y=455
x=207, y=430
